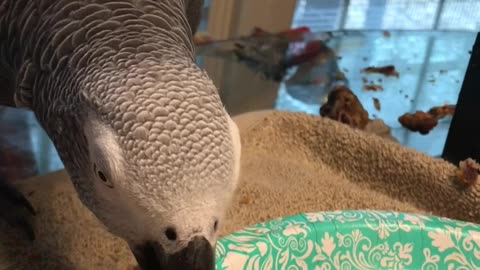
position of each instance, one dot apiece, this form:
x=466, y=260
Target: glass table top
x=431, y=67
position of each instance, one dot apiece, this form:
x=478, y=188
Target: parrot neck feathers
x=237, y=149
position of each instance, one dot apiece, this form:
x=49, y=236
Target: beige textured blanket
x=291, y=163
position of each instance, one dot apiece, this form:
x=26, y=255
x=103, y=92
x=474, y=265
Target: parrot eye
x=102, y=176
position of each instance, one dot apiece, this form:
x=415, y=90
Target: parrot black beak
x=198, y=255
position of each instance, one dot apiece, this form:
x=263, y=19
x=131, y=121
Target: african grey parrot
x=140, y=128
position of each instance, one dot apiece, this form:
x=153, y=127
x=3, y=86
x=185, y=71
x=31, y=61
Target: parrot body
x=141, y=129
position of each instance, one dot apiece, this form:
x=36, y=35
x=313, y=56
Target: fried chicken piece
x=424, y=122
x=467, y=173
x=442, y=111
x=344, y=106
x=388, y=71
x=419, y=121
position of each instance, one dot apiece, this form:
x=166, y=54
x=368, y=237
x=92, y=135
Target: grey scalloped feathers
x=139, y=127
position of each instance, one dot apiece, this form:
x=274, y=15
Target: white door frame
x=233, y=18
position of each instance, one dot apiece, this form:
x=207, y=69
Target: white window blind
x=322, y=15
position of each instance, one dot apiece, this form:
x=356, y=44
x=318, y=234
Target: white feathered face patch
x=159, y=219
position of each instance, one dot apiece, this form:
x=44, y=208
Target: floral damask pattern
x=352, y=240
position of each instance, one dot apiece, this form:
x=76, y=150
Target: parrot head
x=139, y=127
x=161, y=167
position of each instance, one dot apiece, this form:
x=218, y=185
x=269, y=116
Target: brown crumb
x=440, y=112
x=376, y=104
x=388, y=71
x=418, y=122
x=372, y=87
x=467, y=173
x=343, y=106
x=387, y=34
x=364, y=80
x=246, y=200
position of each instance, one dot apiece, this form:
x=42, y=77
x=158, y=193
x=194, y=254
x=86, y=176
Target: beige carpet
x=292, y=163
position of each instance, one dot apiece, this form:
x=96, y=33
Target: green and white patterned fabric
x=353, y=240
